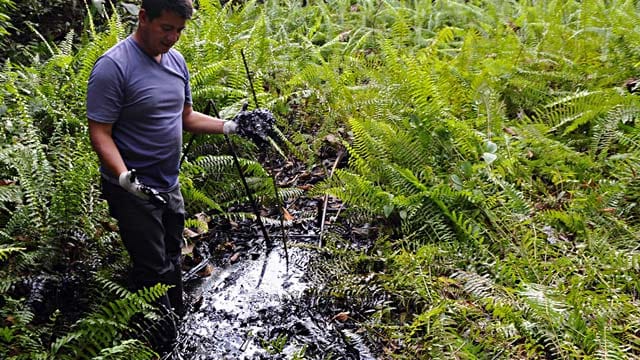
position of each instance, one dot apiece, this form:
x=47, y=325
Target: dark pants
x=152, y=234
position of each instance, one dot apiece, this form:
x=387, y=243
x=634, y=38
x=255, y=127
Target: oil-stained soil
x=254, y=304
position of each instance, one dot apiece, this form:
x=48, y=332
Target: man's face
x=160, y=34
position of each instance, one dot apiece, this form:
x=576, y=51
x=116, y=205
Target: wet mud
x=258, y=305
x=258, y=309
x=248, y=303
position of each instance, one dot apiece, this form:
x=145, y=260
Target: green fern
x=127, y=349
x=6, y=250
x=113, y=287
x=101, y=333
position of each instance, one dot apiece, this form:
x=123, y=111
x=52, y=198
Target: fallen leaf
x=189, y=233
x=204, y=218
x=331, y=138
x=342, y=316
x=287, y=216
x=234, y=257
x=207, y=271
x=188, y=249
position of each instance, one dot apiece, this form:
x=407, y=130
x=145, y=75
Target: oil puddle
x=259, y=309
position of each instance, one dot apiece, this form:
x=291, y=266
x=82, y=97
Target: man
x=138, y=104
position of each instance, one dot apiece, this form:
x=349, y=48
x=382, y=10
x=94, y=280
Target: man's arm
x=105, y=147
x=199, y=123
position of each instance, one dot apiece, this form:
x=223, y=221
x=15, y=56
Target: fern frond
x=103, y=329
x=355, y=190
x=10, y=194
x=516, y=203
x=198, y=201
x=287, y=194
x=99, y=44
x=476, y=285
x=113, y=287
x=224, y=164
x=426, y=222
x=239, y=216
x=126, y=350
x=6, y=250
x=611, y=349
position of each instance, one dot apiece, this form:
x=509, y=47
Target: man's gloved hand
x=256, y=125
x=130, y=183
x=229, y=127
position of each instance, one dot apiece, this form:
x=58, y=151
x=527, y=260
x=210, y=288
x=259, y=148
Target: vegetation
x=493, y=146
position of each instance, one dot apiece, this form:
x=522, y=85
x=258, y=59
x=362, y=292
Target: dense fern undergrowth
x=493, y=145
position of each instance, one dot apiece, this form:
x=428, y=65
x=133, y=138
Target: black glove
x=255, y=125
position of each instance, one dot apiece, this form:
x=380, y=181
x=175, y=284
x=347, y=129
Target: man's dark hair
x=154, y=8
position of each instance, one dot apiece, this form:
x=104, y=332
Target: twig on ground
x=326, y=199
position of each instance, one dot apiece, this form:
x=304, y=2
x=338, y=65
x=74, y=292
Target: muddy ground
x=247, y=303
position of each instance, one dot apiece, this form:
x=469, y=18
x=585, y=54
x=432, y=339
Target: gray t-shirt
x=143, y=99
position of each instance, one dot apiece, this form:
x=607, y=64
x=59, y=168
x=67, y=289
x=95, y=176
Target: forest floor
x=247, y=303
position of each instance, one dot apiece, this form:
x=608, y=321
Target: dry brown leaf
x=234, y=257
x=331, y=138
x=287, y=216
x=207, y=271
x=204, y=219
x=342, y=316
x=188, y=233
x=188, y=249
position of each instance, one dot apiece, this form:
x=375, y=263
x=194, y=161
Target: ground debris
x=258, y=305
